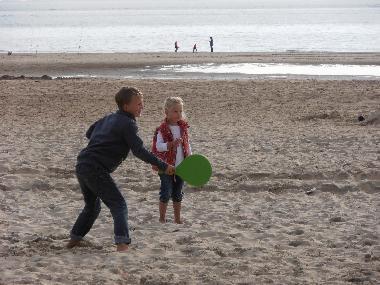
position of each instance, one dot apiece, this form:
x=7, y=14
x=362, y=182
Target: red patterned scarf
x=170, y=155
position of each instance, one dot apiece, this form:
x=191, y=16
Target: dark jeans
x=96, y=184
x=171, y=187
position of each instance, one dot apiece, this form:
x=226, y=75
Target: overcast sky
x=178, y=4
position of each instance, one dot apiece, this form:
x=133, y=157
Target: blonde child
x=171, y=144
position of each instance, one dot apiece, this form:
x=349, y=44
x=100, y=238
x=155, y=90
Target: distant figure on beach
x=110, y=140
x=211, y=44
x=171, y=144
x=9, y=52
x=176, y=47
x=195, y=48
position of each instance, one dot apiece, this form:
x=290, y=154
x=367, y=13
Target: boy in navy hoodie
x=110, y=140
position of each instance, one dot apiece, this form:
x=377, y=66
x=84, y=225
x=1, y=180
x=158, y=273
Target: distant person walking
x=195, y=48
x=176, y=47
x=211, y=44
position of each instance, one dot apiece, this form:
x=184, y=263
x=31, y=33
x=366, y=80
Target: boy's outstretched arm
x=137, y=146
x=90, y=130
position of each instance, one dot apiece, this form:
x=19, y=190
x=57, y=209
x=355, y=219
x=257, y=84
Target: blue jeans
x=97, y=185
x=171, y=187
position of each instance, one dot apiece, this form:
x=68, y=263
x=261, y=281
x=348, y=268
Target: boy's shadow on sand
x=49, y=244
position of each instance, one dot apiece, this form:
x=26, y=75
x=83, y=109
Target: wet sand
x=63, y=64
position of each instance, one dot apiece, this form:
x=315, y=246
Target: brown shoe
x=122, y=247
x=72, y=243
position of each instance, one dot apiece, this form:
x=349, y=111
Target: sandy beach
x=293, y=199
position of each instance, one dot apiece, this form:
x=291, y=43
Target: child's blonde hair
x=170, y=101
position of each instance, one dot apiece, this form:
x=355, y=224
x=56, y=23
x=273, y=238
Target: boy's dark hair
x=124, y=96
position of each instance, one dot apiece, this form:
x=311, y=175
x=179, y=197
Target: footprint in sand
x=4, y=187
x=296, y=243
x=40, y=185
x=25, y=170
x=296, y=232
x=369, y=242
x=218, y=251
x=60, y=172
x=157, y=251
x=3, y=168
x=336, y=220
x=370, y=187
x=187, y=240
x=331, y=188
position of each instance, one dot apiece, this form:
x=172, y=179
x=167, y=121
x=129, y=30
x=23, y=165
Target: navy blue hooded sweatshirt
x=111, y=139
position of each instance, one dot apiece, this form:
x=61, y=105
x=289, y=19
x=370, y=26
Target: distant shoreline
x=63, y=64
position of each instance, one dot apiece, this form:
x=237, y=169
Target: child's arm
x=160, y=144
x=90, y=130
x=137, y=146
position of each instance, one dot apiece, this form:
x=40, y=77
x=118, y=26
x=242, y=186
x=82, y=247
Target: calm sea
x=233, y=30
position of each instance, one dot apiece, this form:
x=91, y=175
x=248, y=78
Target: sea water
x=354, y=29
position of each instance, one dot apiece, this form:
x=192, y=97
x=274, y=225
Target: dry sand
x=294, y=196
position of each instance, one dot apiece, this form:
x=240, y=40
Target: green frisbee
x=195, y=170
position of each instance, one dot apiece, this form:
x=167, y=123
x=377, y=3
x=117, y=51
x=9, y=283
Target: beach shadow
x=43, y=245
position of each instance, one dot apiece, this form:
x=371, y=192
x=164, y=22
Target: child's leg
x=95, y=182
x=177, y=212
x=177, y=199
x=115, y=201
x=89, y=213
x=162, y=208
x=165, y=193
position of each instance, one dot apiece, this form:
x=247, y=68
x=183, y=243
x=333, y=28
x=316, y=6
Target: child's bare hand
x=174, y=144
x=170, y=145
x=170, y=170
x=179, y=141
